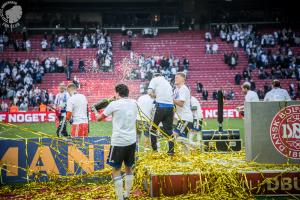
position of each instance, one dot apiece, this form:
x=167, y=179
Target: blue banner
x=42, y=158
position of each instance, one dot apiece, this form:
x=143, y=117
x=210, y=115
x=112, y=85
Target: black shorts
x=197, y=125
x=117, y=155
x=182, y=128
x=142, y=127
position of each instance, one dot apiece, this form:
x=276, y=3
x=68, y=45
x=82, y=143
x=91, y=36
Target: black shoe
x=170, y=153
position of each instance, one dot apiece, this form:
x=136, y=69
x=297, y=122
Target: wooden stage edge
x=259, y=183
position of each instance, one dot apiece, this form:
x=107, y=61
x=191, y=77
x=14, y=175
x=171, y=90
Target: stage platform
x=215, y=174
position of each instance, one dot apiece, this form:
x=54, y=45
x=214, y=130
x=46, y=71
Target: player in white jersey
x=60, y=104
x=160, y=89
x=197, y=118
x=62, y=97
x=77, y=109
x=183, y=115
x=146, y=106
x=277, y=93
x=250, y=96
x=123, y=139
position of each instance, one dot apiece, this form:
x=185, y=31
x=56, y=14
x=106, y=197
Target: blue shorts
x=182, y=128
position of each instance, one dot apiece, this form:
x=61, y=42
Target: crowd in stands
x=271, y=52
x=18, y=91
x=19, y=44
x=258, y=47
x=167, y=66
x=150, y=32
x=210, y=48
x=17, y=81
x=187, y=24
x=228, y=95
x=99, y=39
x=126, y=43
x=231, y=59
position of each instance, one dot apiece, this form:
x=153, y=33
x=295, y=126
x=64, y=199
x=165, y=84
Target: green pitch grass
x=96, y=128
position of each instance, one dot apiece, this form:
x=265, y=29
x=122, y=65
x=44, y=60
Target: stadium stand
x=209, y=69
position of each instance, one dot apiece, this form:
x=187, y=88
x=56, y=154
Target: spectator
x=70, y=64
x=208, y=37
x=215, y=48
x=230, y=95
x=253, y=85
x=28, y=45
x=292, y=91
x=81, y=67
x=149, y=32
x=199, y=87
x=262, y=74
x=246, y=73
x=267, y=88
x=215, y=95
x=205, y=95
x=23, y=107
x=126, y=45
x=235, y=45
x=129, y=33
x=186, y=64
x=4, y=106
x=14, y=108
x=192, y=24
x=207, y=48
x=44, y=45
x=260, y=94
x=226, y=58
x=233, y=61
x=173, y=72
x=237, y=79
x=39, y=77
x=94, y=66
x=123, y=30
x=277, y=93
x=51, y=98
x=1, y=44
x=76, y=82
x=60, y=67
x=42, y=107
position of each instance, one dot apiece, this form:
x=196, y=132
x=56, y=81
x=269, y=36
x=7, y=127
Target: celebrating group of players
x=160, y=106
x=72, y=107
x=153, y=114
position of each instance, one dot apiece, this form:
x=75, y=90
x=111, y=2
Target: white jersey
x=61, y=99
x=162, y=89
x=124, y=112
x=277, y=94
x=184, y=112
x=78, y=105
x=145, y=103
x=197, y=114
x=251, y=96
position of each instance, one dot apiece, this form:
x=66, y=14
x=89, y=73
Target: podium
x=272, y=132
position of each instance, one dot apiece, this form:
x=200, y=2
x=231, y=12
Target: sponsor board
x=34, y=117
x=25, y=160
